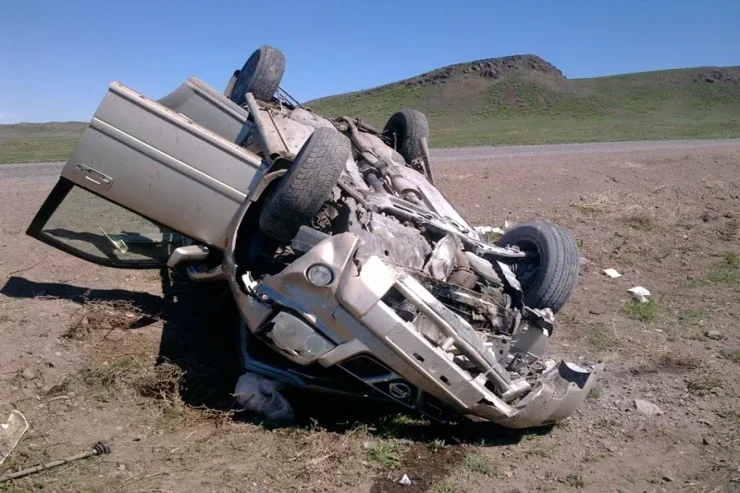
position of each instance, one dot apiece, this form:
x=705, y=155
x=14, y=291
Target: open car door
x=141, y=179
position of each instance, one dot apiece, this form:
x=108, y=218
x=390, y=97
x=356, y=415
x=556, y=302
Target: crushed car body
x=351, y=272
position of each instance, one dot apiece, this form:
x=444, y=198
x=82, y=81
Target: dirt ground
x=144, y=360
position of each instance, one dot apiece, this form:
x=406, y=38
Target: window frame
x=50, y=206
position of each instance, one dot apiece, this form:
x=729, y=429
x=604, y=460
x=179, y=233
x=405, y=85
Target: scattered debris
x=639, y=293
x=405, y=480
x=612, y=273
x=98, y=448
x=647, y=408
x=11, y=433
x=486, y=230
x=262, y=395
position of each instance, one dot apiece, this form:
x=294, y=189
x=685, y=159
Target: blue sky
x=57, y=57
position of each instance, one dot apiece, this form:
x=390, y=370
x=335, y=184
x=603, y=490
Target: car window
x=100, y=231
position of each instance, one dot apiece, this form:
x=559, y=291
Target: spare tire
x=408, y=127
x=301, y=193
x=549, y=272
x=261, y=75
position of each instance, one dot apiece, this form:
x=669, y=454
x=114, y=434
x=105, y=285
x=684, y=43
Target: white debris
x=11, y=433
x=639, y=293
x=442, y=261
x=612, y=273
x=261, y=395
x=484, y=230
x=405, y=480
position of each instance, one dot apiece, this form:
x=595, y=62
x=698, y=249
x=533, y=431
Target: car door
x=141, y=178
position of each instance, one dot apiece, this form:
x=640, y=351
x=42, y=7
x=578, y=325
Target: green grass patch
x=644, y=311
x=527, y=107
x=594, y=393
x=693, y=315
x=444, y=488
x=4, y=318
x=478, y=464
x=574, y=481
x=726, y=271
x=386, y=454
x=731, y=354
x=436, y=445
x=38, y=142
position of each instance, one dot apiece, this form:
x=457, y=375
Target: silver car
x=350, y=270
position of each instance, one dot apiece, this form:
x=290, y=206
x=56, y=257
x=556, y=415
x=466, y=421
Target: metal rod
x=99, y=448
x=427, y=163
x=257, y=119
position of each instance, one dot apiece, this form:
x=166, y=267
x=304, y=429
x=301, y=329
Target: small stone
x=647, y=408
x=729, y=214
x=707, y=441
x=667, y=478
x=508, y=474
x=28, y=374
x=516, y=490
x=715, y=335
x=122, y=467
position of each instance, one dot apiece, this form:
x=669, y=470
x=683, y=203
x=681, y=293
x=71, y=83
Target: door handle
x=94, y=175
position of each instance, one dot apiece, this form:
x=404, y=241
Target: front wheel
x=549, y=272
x=301, y=193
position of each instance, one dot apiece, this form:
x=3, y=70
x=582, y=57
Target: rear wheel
x=260, y=75
x=549, y=272
x=301, y=193
x=408, y=127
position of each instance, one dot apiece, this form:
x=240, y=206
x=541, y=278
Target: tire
x=232, y=82
x=261, y=75
x=301, y=193
x=550, y=276
x=409, y=126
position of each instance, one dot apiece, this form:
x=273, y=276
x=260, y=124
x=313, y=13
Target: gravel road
x=37, y=170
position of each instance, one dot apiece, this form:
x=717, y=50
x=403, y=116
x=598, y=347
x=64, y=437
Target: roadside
x=81, y=346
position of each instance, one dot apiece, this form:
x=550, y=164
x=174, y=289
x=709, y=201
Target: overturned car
x=350, y=270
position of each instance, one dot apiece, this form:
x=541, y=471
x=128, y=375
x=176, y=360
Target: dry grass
x=704, y=384
x=478, y=464
x=106, y=316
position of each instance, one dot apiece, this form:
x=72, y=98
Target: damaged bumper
x=330, y=309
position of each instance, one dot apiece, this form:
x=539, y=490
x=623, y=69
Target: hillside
x=38, y=142
x=512, y=100
x=526, y=100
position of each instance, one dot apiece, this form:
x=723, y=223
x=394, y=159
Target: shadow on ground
x=199, y=336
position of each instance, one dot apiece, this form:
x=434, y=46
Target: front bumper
x=350, y=320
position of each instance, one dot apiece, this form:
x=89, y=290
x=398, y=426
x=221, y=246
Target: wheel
x=308, y=183
x=409, y=127
x=232, y=82
x=549, y=272
x=260, y=75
